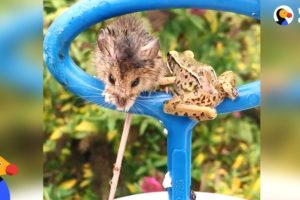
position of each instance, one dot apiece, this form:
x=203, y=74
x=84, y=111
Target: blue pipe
x=89, y=12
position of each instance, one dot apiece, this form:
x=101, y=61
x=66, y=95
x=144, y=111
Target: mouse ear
x=150, y=50
x=106, y=44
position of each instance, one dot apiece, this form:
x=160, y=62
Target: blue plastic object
x=88, y=12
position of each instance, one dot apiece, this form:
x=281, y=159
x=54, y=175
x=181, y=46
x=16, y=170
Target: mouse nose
x=11, y=170
x=122, y=101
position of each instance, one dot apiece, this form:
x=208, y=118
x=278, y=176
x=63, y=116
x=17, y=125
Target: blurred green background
x=81, y=139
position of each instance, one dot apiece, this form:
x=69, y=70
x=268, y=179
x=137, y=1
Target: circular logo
x=283, y=15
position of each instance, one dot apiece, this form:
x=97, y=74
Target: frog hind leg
x=199, y=113
x=227, y=84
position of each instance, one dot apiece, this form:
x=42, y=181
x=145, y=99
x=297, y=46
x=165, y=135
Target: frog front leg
x=167, y=80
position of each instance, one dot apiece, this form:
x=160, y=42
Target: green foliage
x=225, y=151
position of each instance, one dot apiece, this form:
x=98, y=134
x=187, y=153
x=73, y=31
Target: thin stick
x=118, y=164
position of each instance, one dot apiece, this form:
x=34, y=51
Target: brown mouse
x=128, y=61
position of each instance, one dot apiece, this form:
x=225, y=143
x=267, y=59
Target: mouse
x=128, y=61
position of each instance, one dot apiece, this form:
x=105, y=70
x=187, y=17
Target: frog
x=197, y=89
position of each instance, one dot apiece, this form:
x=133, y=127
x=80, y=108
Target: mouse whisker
x=84, y=86
x=139, y=110
x=95, y=100
x=140, y=106
x=83, y=97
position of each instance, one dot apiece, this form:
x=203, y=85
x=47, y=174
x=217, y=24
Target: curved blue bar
x=88, y=12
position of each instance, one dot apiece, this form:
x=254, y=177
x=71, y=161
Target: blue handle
x=88, y=12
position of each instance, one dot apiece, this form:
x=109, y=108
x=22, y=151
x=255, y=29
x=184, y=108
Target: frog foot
x=199, y=113
x=227, y=83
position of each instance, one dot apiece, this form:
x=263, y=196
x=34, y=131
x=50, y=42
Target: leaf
x=238, y=161
x=111, y=135
x=111, y=123
x=66, y=151
x=49, y=146
x=84, y=183
x=220, y=49
x=86, y=126
x=133, y=188
x=68, y=184
x=256, y=185
x=236, y=184
x=245, y=132
x=212, y=20
x=199, y=159
x=243, y=146
x=64, y=96
x=141, y=171
x=56, y=135
x=143, y=127
x=216, y=138
x=87, y=171
x=58, y=132
x=66, y=107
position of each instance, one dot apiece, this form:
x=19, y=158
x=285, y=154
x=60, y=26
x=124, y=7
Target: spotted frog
x=198, y=90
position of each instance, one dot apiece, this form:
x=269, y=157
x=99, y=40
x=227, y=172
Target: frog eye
x=135, y=82
x=0, y=163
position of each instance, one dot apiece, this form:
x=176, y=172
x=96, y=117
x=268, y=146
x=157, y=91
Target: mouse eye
x=135, y=82
x=111, y=79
